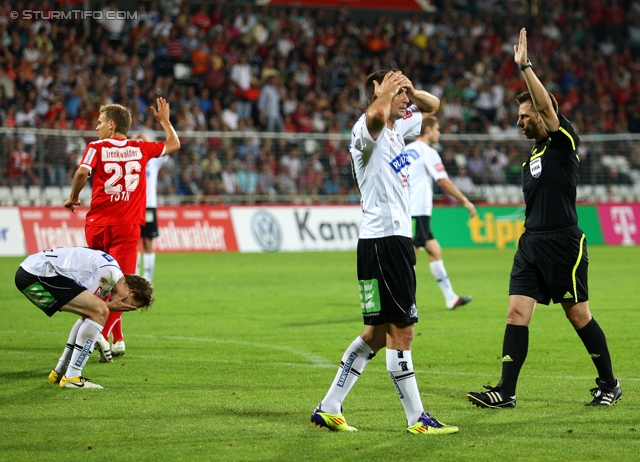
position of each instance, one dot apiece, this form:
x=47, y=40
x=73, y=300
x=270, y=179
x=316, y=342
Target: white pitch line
x=315, y=360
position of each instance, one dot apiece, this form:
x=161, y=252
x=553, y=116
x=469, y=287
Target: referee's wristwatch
x=526, y=65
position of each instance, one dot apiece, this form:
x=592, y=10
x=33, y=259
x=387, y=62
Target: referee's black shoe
x=604, y=395
x=493, y=398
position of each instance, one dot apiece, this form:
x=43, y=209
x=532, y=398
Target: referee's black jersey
x=549, y=180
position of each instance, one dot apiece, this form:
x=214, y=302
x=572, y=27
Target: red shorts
x=119, y=241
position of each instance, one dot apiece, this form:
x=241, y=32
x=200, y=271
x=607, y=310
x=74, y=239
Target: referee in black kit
x=551, y=260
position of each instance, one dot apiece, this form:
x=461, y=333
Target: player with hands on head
x=385, y=256
x=77, y=280
x=117, y=166
x=551, y=261
x=425, y=168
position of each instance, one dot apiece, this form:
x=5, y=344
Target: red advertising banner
x=47, y=227
x=195, y=229
x=396, y=5
x=182, y=229
x=620, y=223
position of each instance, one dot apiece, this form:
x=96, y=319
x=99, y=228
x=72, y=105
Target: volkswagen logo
x=266, y=231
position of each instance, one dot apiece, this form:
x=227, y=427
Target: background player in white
x=76, y=280
x=150, y=229
x=425, y=168
x=385, y=252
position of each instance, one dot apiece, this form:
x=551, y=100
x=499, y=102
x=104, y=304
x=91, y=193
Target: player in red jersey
x=118, y=201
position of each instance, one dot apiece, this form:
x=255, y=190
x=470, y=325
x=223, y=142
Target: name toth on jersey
x=118, y=179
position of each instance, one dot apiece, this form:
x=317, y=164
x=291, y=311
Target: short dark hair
x=140, y=289
x=378, y=76
x=430, y=121
x=526, y=96
x=120, y=115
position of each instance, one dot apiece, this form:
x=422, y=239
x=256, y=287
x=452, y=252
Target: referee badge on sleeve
x=536, y=167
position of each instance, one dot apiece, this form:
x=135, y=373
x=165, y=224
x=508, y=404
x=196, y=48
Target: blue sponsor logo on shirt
x=400, y=162
x=413, y=154
x=108, y=257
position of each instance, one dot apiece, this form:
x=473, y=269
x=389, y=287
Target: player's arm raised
x=539, y=94
x=162, y=114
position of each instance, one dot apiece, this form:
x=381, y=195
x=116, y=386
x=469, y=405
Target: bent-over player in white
x=76, y=280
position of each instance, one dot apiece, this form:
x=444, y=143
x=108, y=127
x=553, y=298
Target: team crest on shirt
x=536, y=167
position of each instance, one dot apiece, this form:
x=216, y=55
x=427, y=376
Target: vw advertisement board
x=295, y=228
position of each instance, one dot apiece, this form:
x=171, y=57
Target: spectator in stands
x=269, y=104
x=230, y=179
x=464, y=182
x=27, y=117
x=286, y=184
x=165, y=182
x=242, y=75
x=247, y=177
x=291, y=160
x=20, y=170
x=332, y=184
x=266, y=181
x=476, y=165
x=112, y=22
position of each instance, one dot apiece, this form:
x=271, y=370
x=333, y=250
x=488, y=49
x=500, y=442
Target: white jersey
x=94, y=270
x=381, y=170
x=425, y=167
x=153, y=167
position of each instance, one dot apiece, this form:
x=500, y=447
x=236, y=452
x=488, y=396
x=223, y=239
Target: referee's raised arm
x=539, y=95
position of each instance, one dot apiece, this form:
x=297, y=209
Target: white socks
x=354, y=360
x=138, y=264
x=84, y=342
x=441, y=276
x=400, y=367
x=63, y=362
x=149, y=261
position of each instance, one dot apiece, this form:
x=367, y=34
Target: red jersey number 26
x=131, y=174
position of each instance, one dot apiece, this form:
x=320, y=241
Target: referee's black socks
x=596, y=344
x=514, y=352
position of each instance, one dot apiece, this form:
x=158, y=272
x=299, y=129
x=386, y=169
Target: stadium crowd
x=238, y=67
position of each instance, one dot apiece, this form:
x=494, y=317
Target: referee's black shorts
x=47, y=293
x=150, y=228
x=387, y=280
x=551, y=266
x=421, y=230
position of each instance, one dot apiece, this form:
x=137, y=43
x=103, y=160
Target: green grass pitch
x=239, y=348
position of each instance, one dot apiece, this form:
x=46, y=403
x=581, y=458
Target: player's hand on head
x=520, y=50
x=120, y=303
x=405, y=82
x=391, y=83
